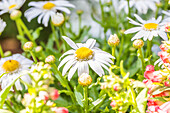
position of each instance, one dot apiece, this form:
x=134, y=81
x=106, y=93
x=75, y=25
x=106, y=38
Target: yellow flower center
x=84, y=53
x=48, y=5
x=151, y=26
x=12, y=6
x=11, y=65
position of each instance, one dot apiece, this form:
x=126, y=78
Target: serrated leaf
x=36, y=33
x=79, y=97
x=97, y=102
x=5, y=91
x=141, y=100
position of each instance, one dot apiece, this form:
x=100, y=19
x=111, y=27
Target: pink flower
x=164, y=56
x=54, y=94
x=167, y=83
x=167, y=27
x=113, y=104
x=149, y=71
x=60, y=110
x=163, y=47
x=165, y=107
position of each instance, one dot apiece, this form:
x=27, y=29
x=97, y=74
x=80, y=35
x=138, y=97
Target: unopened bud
x=50, y=59
x=79, y=12
x=122, y=31
x=28, y=46
x=58, y=19
x=38, y=49
x=138, y=43
x=85, y=79
x=113, y=40
x=159, y=4
x=7, y=53
x=15, y=14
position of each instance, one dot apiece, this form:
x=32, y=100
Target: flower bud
x=159, y=4
x=122, y=31
x=15, y=14
x=85, y=79
x=113, y=40
x=50, y=59
x=58, y=19
x=79, y=12
x=7, y=53
x=38, y=49
x=138, y=44
x=28, y=46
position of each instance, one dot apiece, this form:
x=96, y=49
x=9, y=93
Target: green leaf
x=5, y=91
x=79, y=97
x=159, y=98
x=4, y=111
x=36, y=33
x=66, y=92
x=97, y=102
x=121, y=69
x=142, y=100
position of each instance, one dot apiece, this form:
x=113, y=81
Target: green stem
x=156, y=14
x=1, y=52
x=9, y=107
x=149, y=46
x=55, y=35
x=19, y=28
x=102, y=11
x=113, y=52
x=26, y=31
x=165, y=7
x=79, y=24
x=142, y=60
x=86, y=99
x=120, y=51
x=129, y=13
x=33, y=56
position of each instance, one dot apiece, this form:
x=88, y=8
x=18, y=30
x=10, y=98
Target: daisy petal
x=70, y=42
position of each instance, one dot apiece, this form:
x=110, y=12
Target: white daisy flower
x=46, y=9
x=10, y=5
x=2, y=25
x=12, y=67
x=147, y=29
x=141, y=5
x=82, y=56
